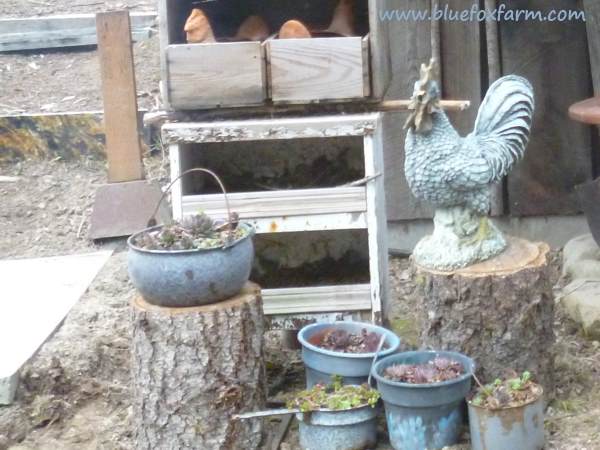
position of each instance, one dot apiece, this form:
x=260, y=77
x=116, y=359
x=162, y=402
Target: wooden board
x=592, y=16
x=554, y=57
x=71, y=30
x=380, y=48
x=410, y=45
x=38, y=294
x=293, y=202
x=266, y=129
x=377, y=225
x=319, y=299
x=210, y=75
x=307, y=70
x=120, y=97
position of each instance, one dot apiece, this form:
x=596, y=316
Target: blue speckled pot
x=354, y=368
x=423, y=416
x=186, y=278
x=352, y=429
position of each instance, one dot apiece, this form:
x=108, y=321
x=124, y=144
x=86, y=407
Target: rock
x=582, y=303
x=581, y=258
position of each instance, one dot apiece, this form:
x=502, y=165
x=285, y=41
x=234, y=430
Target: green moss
x=407, y=329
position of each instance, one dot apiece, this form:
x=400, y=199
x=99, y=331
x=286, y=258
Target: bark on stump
x=193, y=368
x=499, y=312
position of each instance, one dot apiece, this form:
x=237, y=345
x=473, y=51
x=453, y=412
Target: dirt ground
x=42, y=81
x=75, y=392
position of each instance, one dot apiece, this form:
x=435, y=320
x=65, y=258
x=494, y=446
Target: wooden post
x=499, y=312
x=193, y=369
x=120, y=97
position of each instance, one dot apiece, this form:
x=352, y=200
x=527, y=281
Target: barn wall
x=554, y=56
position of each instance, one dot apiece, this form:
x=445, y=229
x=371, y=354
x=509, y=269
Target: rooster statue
x=455, y=173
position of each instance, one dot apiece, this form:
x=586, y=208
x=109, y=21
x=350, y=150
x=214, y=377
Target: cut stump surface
x=499, y=312
x=193, y=368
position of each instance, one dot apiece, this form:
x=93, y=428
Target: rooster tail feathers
x=504, y=122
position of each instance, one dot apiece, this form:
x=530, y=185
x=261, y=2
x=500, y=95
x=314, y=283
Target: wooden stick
x=267, y=413
x=400, y=105
x=157, y=118
x=280, y=432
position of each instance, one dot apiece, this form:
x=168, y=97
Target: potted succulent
x=423, y=393
x=508, y=413
x=343, y=348
x=193, y=262
x=337, y=416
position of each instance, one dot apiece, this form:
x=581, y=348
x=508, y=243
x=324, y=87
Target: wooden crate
x=232, y=74
x=204, y=76
x=300, y=210
x=318, y=69
x=213, y=75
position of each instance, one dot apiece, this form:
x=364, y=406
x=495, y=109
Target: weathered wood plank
x=554, y=57
x=592, y=16
x=592, y=22
x=296, y=202
x=210, y=75
x=377, y=226
x=410, y=45
x=305, y=70
x=461, y=64
x=379, y=36
x=356, y=297
x=62, y=31
x=119, y=96
x=37, y=308
x=266, y=129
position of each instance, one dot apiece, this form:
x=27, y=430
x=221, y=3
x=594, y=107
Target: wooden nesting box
x=357, y=207
x=233, y=74
x=318, y=69
x=203, y=76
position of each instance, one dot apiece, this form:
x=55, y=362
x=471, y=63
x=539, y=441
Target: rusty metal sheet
x=121, y=209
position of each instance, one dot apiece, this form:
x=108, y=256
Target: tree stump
x=499, y=312
x=193, y=368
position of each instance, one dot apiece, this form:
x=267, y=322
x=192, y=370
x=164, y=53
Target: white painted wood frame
x=298, y=210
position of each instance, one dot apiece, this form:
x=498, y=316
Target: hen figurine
x=455, y=173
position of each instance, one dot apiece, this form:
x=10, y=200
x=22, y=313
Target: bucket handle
x=230, y=219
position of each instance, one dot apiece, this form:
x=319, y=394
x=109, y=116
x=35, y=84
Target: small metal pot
x=423, y=416
x=521, y=427
x=354, y=368
x=184, y=278
x=352, y=429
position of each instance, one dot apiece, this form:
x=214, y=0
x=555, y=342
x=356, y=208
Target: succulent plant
x=194, y=232
x=435, y=371
x=334, y=396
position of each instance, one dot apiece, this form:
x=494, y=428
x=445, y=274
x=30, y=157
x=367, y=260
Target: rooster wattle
x=455, y=173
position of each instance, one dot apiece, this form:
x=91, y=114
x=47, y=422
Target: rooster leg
x=483, y=233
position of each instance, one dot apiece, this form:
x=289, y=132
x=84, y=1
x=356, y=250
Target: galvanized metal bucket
x=521, y=427
x=423, y=416
x=353, y=429
x=354, y=368
x=184, y=278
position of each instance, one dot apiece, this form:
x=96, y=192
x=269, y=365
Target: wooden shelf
x=288, y=211
x=355, y=297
